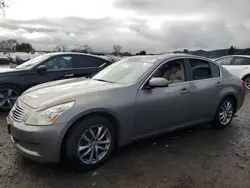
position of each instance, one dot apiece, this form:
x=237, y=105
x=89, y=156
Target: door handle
x=68, y=75
x=246, y=67
x=184, y=91
x=218, y=84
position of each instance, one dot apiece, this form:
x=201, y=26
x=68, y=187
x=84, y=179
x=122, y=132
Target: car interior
x=173, y=72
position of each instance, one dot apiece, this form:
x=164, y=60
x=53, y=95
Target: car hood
x=7, y=71
x=63, y=91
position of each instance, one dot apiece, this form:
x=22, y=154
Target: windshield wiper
x=101, y=80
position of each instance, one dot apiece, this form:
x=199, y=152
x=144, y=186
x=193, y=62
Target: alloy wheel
x=247, y=83
x=226, y=112
x=94, y=144
x=8, y=98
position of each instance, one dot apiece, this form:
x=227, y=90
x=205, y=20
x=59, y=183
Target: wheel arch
x=101, y=113
x=244, y=77
x=13, y=84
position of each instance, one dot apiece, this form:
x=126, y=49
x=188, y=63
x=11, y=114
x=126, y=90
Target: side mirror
x=41, y=69
x=158, y=82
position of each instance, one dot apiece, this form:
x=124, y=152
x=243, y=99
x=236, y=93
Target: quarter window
x=200, y=69
x=215, y=70
x=241, y=61
x=59, y=63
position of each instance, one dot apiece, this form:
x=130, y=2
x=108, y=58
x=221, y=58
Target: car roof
x=75, y=53
x=163, y=57
x=246, y=56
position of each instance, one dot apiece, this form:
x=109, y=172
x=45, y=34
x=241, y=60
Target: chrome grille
x=18, y=113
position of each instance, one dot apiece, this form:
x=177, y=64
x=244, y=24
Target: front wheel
x=89, y=143
x=224, y=114
x=8, y=96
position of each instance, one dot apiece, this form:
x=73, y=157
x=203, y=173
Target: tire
x=8, y=96
x=75, y=138
x=247, y=82
x=219, y=122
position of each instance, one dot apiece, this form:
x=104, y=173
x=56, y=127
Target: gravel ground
x=197, y=157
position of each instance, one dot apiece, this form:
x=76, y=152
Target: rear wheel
x=225, y=113
x=8, y=96
x=247, y=82
x=89, y=143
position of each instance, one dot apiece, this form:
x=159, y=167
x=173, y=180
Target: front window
x=173, y=71
x=126, y=71
x=224, y=61
x=33, y=62
x=59, y=63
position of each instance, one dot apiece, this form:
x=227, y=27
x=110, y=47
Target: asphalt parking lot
x=196, y=157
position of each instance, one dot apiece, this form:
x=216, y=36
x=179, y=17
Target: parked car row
x=80, y=121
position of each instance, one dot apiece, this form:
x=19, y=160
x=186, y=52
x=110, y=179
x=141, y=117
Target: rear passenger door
x=206, y=85
x=87, y=66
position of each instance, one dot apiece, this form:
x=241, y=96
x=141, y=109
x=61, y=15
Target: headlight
x=48, y=116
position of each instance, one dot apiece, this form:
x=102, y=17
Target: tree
x=9, y=44
x=62, y=48
x=3, y=6
x=231, y=50
x=86, y=49
x=57, y=49
x=24, y=47
x=185, y=51
x=117, y=49
x=143, y=52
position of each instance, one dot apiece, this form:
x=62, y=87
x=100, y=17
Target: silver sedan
x=81, y=120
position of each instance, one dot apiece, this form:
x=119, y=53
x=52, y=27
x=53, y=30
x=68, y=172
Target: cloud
x=227, y=9
x=159, y=26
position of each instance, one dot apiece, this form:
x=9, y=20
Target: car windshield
x=33, y=62
x=125, y=71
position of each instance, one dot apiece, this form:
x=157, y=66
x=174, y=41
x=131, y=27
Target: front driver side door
x=160, y=109
x=58, y=67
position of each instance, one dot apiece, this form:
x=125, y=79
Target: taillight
x=243, y=84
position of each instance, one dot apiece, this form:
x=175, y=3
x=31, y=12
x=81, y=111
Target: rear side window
x=84, y=61
x=200, y=69
x=241, y=61
x=215, y=70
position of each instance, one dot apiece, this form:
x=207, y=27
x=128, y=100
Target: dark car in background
x=4, y=60
x=45, y=68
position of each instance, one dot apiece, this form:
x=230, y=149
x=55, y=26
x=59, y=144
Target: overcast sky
x=151, y=25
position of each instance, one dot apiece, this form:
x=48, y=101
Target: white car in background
x=238, y=65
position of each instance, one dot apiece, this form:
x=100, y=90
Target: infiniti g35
x=81, y=121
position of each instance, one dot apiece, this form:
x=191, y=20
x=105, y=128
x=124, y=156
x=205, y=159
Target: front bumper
x=40, y=143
